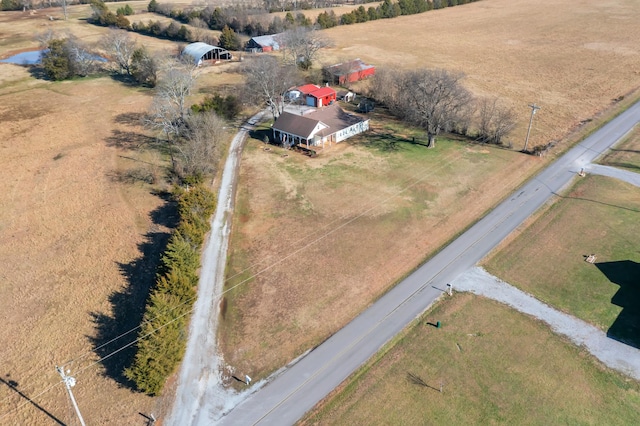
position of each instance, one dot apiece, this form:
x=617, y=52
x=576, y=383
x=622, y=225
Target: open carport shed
x=203, y=52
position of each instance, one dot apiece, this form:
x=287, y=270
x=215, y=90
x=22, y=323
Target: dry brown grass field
x=68, y=225
x=78, y=225
x=571, y=58
x=69, y=231
x=519, y=51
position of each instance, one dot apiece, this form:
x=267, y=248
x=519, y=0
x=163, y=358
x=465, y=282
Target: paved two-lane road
x=290, y=395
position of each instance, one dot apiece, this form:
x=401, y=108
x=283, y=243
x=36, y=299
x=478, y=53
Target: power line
x=420, y=177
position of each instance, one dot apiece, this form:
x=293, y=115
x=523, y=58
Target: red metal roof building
x=322, y=97
x=348, y=72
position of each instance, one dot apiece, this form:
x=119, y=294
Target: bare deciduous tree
x=300, y=45
x=168, y=110
x=268, y=81
x=385, y=87
x=433, y=99
x=200, y=143
x=120, y=46
x=82, y=60
x=45, y=37
x=495, y=120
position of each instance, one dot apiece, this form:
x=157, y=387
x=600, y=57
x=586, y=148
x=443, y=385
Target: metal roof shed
x=201, y=52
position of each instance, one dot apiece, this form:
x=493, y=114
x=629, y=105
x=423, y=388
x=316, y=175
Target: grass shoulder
x=495, y=366
x=596, y=216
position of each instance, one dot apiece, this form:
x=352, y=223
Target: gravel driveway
x=614, y=354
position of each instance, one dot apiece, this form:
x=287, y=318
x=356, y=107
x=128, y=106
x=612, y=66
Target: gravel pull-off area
x=614, y=354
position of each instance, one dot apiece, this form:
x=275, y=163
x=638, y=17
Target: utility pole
x=534, y=108
x=70, y=382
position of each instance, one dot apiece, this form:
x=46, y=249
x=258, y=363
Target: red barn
x=348, y=72
x=317, y=96
x=322, y=97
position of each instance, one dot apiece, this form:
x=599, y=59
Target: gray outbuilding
x=203, y=52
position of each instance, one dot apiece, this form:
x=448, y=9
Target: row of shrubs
x=163, y=333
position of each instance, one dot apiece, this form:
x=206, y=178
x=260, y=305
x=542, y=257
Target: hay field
x=572, y=58
x=76, y=227
x=69, y=231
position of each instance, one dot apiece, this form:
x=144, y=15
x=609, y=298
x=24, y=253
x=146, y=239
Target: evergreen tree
x=229, y=39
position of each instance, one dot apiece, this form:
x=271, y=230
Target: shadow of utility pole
x=417, y=380
x=13, y=385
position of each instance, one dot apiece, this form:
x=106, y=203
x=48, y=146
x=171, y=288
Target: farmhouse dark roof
x=334, y=117
x=295, y=124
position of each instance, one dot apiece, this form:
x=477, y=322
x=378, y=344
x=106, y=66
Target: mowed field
x=627, y=154
x=599, y=215
x=496, y=366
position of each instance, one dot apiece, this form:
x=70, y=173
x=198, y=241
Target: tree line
x=436, y=101
x=163, y=333
x=250, y=20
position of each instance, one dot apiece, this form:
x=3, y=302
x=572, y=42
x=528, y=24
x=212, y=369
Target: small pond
x=34, y=57
x=24, y=58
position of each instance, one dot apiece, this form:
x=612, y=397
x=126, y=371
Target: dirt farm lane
x=297, y=389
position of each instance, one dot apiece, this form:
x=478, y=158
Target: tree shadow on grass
x=116, y=332
x=626, y=274
x=129, y=140
x=261, y=135
x=387, y=141
x=130, y=118
x=125, y=79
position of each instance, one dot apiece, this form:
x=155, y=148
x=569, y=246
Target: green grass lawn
x=627, y=154
x=496, y=366
x=598, y=216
